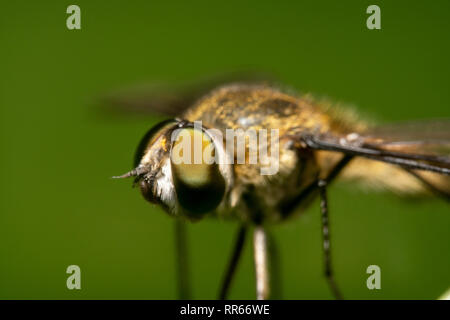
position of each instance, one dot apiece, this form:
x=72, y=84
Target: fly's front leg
x=182, y=265
x=260, y=251
x=322, y=184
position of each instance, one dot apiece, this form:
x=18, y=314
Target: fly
x=316, y=142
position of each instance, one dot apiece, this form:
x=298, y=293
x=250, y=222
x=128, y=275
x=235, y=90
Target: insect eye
x=146, y=191
x=149, y=138
x=198, y=181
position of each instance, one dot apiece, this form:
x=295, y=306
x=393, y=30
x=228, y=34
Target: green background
x=59, y=206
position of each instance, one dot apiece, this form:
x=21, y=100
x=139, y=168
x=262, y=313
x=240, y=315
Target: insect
x=316, y=144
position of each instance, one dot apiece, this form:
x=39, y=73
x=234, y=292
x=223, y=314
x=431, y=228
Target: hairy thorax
x=255, y=107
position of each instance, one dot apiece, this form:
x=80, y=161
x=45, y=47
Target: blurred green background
x=60, y=207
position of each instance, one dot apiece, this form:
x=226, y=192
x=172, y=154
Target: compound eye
x=198, y=181
x=149, y=138
x=147, y=192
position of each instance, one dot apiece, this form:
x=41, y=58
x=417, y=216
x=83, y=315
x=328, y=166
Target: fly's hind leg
x=182, y=265
x=326, y=240
x=320, y=185
x=231, y=269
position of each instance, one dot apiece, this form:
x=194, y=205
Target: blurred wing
x=415, y=147
x=407, y=159
x=172, y=100
x=423, y=137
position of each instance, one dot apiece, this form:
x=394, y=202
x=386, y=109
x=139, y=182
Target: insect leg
x=260, y=252
x=289, y=206
x=403, y=160
x=444, y=194
x=231, y=269
x=326, y=239
x=182, y=265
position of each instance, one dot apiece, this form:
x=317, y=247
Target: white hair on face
x=225, y=160
x=165, y=189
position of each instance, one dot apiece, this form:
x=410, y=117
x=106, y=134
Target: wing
x=171, y=99
x=425, y=137
x=419, y=145
x=415, y=147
